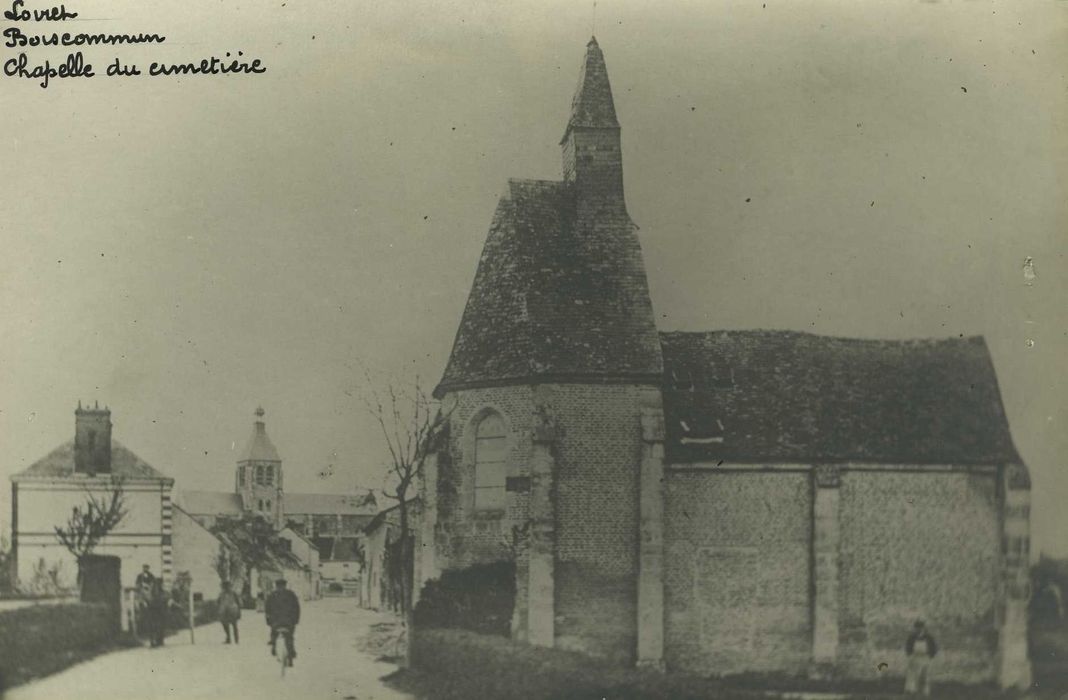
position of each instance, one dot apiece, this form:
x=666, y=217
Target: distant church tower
x=259, y=475
x=553, y=388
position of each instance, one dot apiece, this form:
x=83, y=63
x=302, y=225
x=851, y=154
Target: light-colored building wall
x=919, y=544
x=760, y=575
x=309, y=556
x=737, y=571
x=142, y=537
x=196, y=551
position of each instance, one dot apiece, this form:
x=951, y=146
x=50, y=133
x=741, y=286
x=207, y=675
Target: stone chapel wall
x=918, y=544
x=737, y=571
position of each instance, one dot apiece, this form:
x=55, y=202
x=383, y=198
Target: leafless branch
x=90, y=523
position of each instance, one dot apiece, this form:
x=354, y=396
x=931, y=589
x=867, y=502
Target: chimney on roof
x=593, y=159
x=92, y=440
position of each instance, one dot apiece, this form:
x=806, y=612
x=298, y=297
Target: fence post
x=192, y=615
x=130, y=608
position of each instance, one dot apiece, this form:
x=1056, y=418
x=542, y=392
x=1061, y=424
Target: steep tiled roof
x=555, y=296
x=592, y=105
x=60, y=462
x=211, y=503
x=785, y=396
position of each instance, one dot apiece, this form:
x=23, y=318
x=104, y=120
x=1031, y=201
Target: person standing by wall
x=143, y=592
x=229, y=608
x=920, y=648
x=156, y=614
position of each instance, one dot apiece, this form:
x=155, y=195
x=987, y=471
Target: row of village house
x=320, y=542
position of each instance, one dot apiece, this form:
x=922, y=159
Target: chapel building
x=717, y=502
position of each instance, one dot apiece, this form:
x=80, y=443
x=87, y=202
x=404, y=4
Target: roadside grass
x=41, y=640
x=458, y=664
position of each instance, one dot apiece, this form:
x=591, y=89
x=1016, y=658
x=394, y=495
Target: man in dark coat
x=282, y=611
x=156, y=614
x=143, y=585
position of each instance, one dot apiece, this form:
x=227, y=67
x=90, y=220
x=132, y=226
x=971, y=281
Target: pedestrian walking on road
x=229, y=608
x=920, y=648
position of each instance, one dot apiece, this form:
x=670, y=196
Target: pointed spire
x=592, y=105
x=259, y=446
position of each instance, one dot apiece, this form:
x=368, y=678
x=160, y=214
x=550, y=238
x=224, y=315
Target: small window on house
x=490, y=454
x=268, y=504
x=260, y=503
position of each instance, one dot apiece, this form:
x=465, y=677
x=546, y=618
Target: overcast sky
x=187, y=249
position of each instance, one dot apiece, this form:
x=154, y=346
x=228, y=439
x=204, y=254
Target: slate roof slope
x=330, y=504
x=555, y=297
x=60, y=463
x=592, y=105
x=211, y=502
x=784, y=396
x=259, y=447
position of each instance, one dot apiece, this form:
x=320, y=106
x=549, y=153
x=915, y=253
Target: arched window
x=241, y=476
x=268, y=475
x=491, y=447
x=259, y=474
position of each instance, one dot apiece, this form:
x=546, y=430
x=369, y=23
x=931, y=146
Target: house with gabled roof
x=717, y=502
x=44, y=494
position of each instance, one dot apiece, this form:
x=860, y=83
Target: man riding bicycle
x=283, y=613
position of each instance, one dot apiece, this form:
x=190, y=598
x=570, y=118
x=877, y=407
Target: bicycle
x=284, y=659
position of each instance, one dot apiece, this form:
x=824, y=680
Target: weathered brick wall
x=465, y=536
x=918, y=544
x=737, y=571
x=596, y=498
x=597, y=491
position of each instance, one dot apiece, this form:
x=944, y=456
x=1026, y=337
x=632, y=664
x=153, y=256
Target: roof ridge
x=961, y=339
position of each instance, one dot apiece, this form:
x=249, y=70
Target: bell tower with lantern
x=258, y=478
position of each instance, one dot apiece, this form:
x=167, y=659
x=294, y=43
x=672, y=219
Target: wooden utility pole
x=192, y=615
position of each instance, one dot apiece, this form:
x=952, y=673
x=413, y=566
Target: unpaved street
x=330, y=664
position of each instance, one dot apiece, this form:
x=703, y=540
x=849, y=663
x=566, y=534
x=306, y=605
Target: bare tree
x=411, y=424
x=89, y=523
